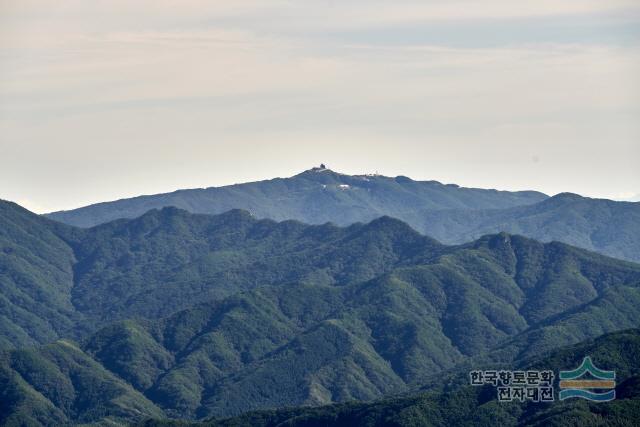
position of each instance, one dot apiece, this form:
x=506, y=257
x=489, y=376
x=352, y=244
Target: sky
x=101, y=100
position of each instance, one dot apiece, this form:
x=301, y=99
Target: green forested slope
x=506, y=296
x=218, y=315
x=36, y=279
x=477, y=406
x=59, y=384
x=310, y=344
x=60, y=281
x=170, y=259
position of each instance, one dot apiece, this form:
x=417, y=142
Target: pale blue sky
x=107, y=99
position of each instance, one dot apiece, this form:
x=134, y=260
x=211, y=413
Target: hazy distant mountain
x=315, y=196
x=606, y=226
x=446, y=212
x=235, y=314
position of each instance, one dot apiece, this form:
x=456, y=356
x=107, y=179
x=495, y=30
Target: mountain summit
x=315, y=196
x=446, y=212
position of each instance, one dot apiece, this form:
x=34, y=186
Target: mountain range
x=314, y=196
x=446, y=212
x=174, y=314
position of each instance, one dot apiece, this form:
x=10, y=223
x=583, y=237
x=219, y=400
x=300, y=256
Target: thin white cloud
x=87, y=88
x=384, y=13
x=114, y=15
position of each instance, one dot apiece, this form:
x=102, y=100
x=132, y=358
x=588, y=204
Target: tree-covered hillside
x=198, y=316
x=312, y=344
x=477, y=406
x=59, y=384
x=60, y=281
x=36, y=279
x=170, y=259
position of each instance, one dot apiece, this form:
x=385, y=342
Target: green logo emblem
x=571, y=384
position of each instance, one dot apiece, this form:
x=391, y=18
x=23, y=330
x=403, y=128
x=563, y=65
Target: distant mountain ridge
x=447, y=212
x=314, y=196
x=606, y=226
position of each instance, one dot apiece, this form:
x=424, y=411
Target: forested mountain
x=448, y=213
x=315, y=196
x=218, y=315
x=170, y=259
x=59, y=384
x=477, y=406
x=606, y=226
x=314, y=344
x=36, y=279
x=60, y=281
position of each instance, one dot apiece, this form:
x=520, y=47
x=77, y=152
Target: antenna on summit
x=321, y=168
